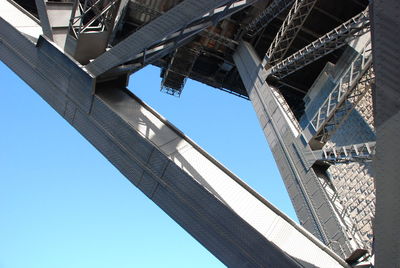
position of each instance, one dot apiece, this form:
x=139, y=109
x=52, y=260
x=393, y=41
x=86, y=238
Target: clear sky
x=62, y=205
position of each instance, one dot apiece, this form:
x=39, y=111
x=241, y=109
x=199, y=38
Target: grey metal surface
x=54, y=17
x=44, y=19
x=274, y=9
x=350, y=88
x=288, y=32
x=353, y=183
x=177, y=39
x=324, y=45
x=343, y=154
x=90, y=27
x=203, y=203
x=313, y=206
x=385, y=40
x=171, y=21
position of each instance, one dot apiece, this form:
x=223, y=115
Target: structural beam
x=201, y=195
x=54, y=19
x=273, y=10
x=291, y=26
x=304, y=184
x=177, y=24
x=326, y=44
x=352, y=86
x=385, y=17
x=363, y=152
x=176, y=40
x=44, y=18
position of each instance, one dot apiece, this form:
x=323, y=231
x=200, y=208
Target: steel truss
x=289, y=30
x=271, y=12
x=207, y=202
x=345, y=154
x=142, y=8
x=206, y=33
x=93, y=16
x=162, y=45
x=324, y=45
x=352, y=87
x=179, y=38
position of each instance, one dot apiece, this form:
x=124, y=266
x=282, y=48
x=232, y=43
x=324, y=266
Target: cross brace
x=188, y=184
x=351, y=88
x=289, y=30
x=324, y=45
x=271, y=12
x=165, y=33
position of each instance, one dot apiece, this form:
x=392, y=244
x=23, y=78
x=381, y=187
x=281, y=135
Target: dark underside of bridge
x=207, y=56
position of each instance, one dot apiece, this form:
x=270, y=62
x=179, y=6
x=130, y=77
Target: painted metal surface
x=316, y=211
x=212, y=204
x=294, y=21
x=324, y=45
x=174, y=41
x=267, y=15
x=343, y=154
x=161, y=27
x=386, y=58
x=350, y=89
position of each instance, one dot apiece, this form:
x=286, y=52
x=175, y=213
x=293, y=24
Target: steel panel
x=217, y=217
x=159, y=28
x=386, y=59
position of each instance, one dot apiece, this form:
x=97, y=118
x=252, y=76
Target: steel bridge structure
x=321, y=75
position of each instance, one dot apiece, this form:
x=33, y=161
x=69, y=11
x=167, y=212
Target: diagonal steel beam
x=298, y=14
x=179, y=38
x=205, y=198
x=326, y=44
x=173, y=21
x=271, y=12
x=341, y=111
x=351, y=88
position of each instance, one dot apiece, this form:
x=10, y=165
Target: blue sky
x=62, y=205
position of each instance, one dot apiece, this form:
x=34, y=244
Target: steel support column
x=312, y=204
x=200, y=194
x=385, y=17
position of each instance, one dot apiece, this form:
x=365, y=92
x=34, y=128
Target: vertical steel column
x=313, y=207
x=385, y=17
